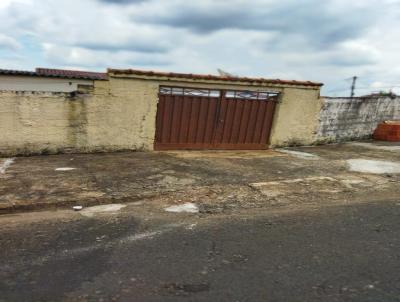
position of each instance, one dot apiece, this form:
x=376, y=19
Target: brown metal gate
x=213, y=119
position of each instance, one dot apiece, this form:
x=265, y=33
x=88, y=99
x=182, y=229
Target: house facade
x=141, y=110
x=48, y=80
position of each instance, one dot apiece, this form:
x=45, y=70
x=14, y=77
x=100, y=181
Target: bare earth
x=305, y=224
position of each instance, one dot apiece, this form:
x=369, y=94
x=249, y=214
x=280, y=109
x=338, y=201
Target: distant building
x=52, y=80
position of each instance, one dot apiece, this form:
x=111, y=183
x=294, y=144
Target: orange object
x=388, y=131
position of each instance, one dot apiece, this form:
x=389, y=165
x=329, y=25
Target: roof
x=17, y=72
x=57, y=73
x=74, y=74
x=210, y=77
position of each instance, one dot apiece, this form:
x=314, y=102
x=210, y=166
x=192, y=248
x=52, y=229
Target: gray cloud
x=64, y=55
x=313, y=19
x=134, y=46
x=348, y=60
x=9, y=43
x=121, y=1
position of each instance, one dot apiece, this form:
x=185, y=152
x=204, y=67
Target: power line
x=354, y=79
x=377, y=87
x=364, y=88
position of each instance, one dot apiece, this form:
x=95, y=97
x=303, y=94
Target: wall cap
x=206, y=77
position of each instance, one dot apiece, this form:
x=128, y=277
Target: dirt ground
x=216, y=181
x=300, y=224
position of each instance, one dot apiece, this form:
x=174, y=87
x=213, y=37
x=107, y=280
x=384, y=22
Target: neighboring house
x=51, y=80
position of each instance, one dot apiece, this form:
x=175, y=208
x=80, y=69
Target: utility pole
x=353, y=86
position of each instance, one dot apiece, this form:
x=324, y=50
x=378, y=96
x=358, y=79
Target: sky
x=327, y=41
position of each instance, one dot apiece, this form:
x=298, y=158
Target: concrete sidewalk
x=217, y=181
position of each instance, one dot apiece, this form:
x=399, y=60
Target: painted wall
x=120, y=114
x=44, y=122
x=355, y=118
x=31, y=83
x=37, y=122
x=296, y=117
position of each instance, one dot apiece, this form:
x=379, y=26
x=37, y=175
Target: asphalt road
x=336, y=253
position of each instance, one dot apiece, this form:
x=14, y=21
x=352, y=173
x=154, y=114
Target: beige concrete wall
x=120, y=114
x=34, y=122
x=32, y=83
x=296, y=117
x=123, y=115
x=43, y=122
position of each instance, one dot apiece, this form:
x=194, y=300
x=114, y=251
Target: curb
x=67, y=204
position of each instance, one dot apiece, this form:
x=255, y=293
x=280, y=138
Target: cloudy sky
x=321, y=40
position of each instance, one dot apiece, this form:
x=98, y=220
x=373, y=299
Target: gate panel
x=244, y=123
x=185, y=122
x=209, y=119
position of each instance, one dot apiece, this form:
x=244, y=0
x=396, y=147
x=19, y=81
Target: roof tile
x=73, y=74
x=211, y=77
x=58, y=73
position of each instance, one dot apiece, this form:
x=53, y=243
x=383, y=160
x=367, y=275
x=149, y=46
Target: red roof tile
x=210, y=77
x=72, y=74
x=57, y=73
x=17, y=72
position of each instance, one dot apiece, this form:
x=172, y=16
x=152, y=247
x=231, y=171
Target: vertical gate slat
x=197, y=118
x=222, y=121
x=171, y=123
x=166, y=120
x=233, y=128
x=194, y=120
x=228, y=122
x=201, y=129
x=207, y=110
x=180, y=119
x=189, y=100
x=268, y=121
x=218, y=126
x=237, y=117
x=259, y=122
x=211, y=120
x=244, y=122
x=249, y=120
x=184, y=122
x=253, y=121
x=175, y=119
x=200, y=121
